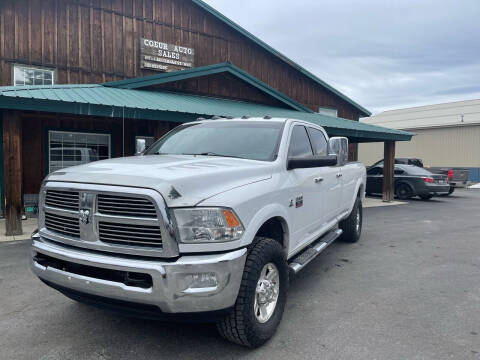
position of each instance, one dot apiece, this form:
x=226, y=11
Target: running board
x=307, y=255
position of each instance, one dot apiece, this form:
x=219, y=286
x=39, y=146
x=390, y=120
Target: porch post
x=388, y=190
x=12, y=150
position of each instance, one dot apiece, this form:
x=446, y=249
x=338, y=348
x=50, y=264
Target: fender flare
x=362, y=195
x=266, y=213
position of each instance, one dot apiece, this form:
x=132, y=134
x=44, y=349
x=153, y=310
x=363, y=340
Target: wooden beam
x=12, y=150
x=388, y=190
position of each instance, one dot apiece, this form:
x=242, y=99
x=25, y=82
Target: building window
x=149, y=140
x=327, y=111
x=24, y=75
x=74, y=148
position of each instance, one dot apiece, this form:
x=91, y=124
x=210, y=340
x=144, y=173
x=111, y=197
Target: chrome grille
x=130, y=234
x=114, y=219
x=62, y=224
x=125, y=206
x=62, y=199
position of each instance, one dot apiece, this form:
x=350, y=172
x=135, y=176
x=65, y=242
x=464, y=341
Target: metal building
x=447, y=135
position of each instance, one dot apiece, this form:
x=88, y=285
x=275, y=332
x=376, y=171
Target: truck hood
x=183, y=180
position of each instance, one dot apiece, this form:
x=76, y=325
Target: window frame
x=53, y=72
x=63, y=131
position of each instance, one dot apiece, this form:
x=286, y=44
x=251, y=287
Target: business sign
x=160, y=56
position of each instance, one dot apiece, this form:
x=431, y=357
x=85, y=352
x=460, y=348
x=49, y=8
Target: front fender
x=262, y=216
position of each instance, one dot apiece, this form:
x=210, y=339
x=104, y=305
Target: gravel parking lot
x=410, y=289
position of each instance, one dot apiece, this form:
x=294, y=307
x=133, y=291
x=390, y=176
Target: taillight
x=450, y=174
x=428, y=179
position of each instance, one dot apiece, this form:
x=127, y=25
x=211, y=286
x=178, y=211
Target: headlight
x=204, y=225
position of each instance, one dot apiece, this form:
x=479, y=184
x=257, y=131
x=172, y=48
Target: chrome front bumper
x=171, y=289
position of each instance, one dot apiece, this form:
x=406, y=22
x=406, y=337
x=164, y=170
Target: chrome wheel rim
x=357, y=221
x=266, y=293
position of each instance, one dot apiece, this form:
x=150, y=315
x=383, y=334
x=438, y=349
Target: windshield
x=241, y=139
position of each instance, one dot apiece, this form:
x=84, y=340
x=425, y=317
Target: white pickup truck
x=209, y=221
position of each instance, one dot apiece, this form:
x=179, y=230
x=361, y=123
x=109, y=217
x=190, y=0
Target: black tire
x=426, y=197
x=403, y=191
x=241, y=326
x=352, y=225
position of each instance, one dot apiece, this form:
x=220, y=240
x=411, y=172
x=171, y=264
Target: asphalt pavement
x=410, y=289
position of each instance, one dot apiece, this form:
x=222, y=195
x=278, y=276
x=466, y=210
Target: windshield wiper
x=209, y=153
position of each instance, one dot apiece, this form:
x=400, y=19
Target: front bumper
x=171, y=281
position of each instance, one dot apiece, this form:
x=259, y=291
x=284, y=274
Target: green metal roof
x=228, y=67
x=276, y=53
x=99, y=100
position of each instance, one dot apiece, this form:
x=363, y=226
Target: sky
x=383, y=54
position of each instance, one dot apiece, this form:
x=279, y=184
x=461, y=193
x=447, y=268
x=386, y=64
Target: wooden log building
x=81, y=80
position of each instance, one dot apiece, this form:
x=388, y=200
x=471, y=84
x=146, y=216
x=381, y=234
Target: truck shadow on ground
x=156, y=338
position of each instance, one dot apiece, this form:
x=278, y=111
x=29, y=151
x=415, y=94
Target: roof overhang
x=99, y=100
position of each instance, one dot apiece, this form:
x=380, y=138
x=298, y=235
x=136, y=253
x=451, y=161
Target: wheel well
x=275, y=228
x=402, y=182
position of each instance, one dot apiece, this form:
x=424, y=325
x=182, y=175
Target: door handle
x=339, y=175
x=318, y=180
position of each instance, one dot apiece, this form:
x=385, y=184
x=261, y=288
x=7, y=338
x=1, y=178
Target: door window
x=319, y=142
x=299, y=143
x=375, y=171
x=73, y=148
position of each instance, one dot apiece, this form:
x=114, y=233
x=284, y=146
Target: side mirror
x=311, y=162
x=339, y=146
x=139, y=146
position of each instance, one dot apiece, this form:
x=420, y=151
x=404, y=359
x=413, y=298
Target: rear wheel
x=352, y=225
x=262, y=296
x=404, y=191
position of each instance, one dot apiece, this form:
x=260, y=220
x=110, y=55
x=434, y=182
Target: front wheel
x=262, y=296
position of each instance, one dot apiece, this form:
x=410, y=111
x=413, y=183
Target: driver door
x=304, y=195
